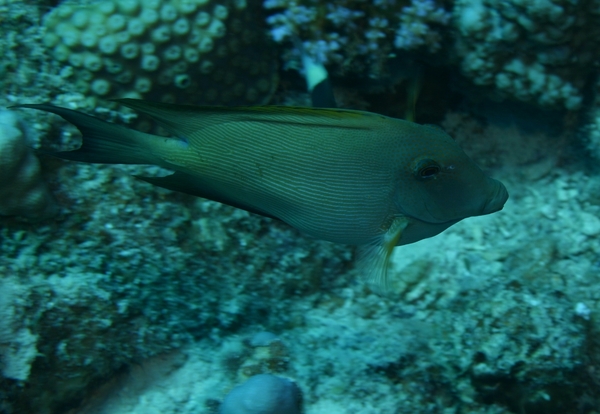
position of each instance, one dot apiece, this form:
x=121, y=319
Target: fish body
x=345, y=176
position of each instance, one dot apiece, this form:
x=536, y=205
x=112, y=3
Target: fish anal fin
x=189, y=184
x=374, y=258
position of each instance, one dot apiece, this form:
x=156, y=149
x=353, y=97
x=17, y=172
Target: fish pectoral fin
x=189, y=184
x=374, y=258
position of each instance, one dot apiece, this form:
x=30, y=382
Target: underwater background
x=120, y=297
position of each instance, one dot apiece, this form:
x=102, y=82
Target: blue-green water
x=120, y=297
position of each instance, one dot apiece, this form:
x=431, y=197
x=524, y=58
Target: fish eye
x=427, y=169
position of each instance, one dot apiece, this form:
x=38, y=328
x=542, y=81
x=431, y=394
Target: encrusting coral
x=22, y=190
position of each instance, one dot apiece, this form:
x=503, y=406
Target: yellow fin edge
x=374, y=258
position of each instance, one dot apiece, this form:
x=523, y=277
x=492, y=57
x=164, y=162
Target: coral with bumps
x=535, y=51
x=22, y=191
x=173, y=51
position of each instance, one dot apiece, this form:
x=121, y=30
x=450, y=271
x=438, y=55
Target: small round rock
x=263, y=394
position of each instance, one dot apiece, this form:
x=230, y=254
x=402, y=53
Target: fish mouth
x=497, y=200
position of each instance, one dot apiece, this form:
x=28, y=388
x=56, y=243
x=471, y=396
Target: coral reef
x=539, y=51
x=267, y=356
x=590, y=132
x=105, y=298
x=17, y=342
x=354, y=34
x=171, y=51
x=136, y=300
x=22, y=189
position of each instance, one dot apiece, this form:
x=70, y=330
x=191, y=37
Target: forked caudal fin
x=103, y=142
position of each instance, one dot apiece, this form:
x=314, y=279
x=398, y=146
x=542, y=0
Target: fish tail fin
x=103, y=142
x=317, y=79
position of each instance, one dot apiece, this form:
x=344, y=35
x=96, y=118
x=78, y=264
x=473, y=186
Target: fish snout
x=496, y=199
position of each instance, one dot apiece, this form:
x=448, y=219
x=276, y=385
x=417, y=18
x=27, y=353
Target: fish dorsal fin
x=374, y=258
x=185, y=120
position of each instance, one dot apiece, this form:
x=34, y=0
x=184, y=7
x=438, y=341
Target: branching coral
x=351, y=31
